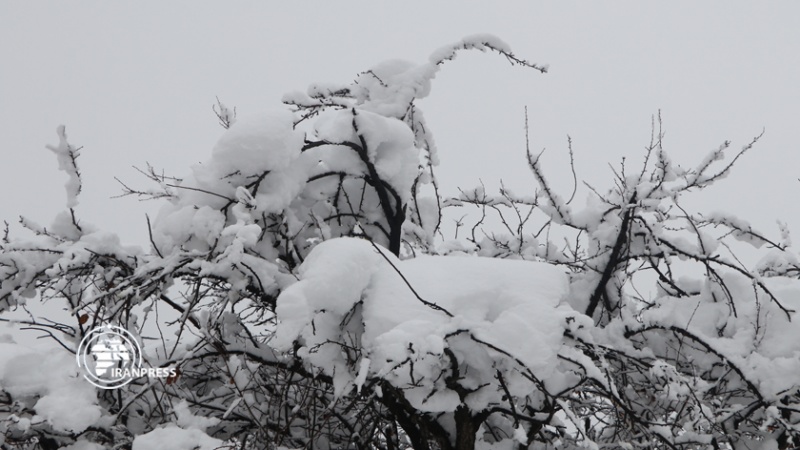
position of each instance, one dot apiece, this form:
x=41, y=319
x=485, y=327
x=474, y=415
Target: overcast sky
x=134, y=83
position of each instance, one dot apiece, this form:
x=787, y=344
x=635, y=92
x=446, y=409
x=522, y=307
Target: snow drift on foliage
x=758, y=338
x=258, y=177
x=489, y=314
x=257, y=143
x=174, y=438
x=50, y=382
x=389, y=143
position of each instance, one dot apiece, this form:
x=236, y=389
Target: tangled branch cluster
x=286, y=280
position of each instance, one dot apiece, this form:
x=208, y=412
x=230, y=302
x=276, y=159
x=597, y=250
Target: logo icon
x=109, y=357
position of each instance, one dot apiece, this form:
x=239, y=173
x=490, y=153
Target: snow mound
x=257, y=143
x=187, y=420
x=760, y=338
x=65, y=399
x=174, y=438
x=358, y=313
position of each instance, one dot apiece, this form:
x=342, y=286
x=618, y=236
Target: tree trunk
x=465, y=429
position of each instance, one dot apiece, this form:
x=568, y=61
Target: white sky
x=135, y=82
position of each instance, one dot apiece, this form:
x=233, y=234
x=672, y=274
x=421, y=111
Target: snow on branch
x=67, y=156
x=482, y=42
x=225, y=115
x=699, y=177
x=299, y=283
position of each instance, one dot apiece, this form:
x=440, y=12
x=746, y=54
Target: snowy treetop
x=302, y=284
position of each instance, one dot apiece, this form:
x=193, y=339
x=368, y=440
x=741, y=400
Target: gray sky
x=135, y=82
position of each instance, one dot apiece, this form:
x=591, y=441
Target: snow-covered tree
x=302, y=286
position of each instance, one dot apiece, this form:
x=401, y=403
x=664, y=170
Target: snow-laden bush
x=301, y=284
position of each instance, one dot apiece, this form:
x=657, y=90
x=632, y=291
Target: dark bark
x=466, y=428
x=614, y=259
